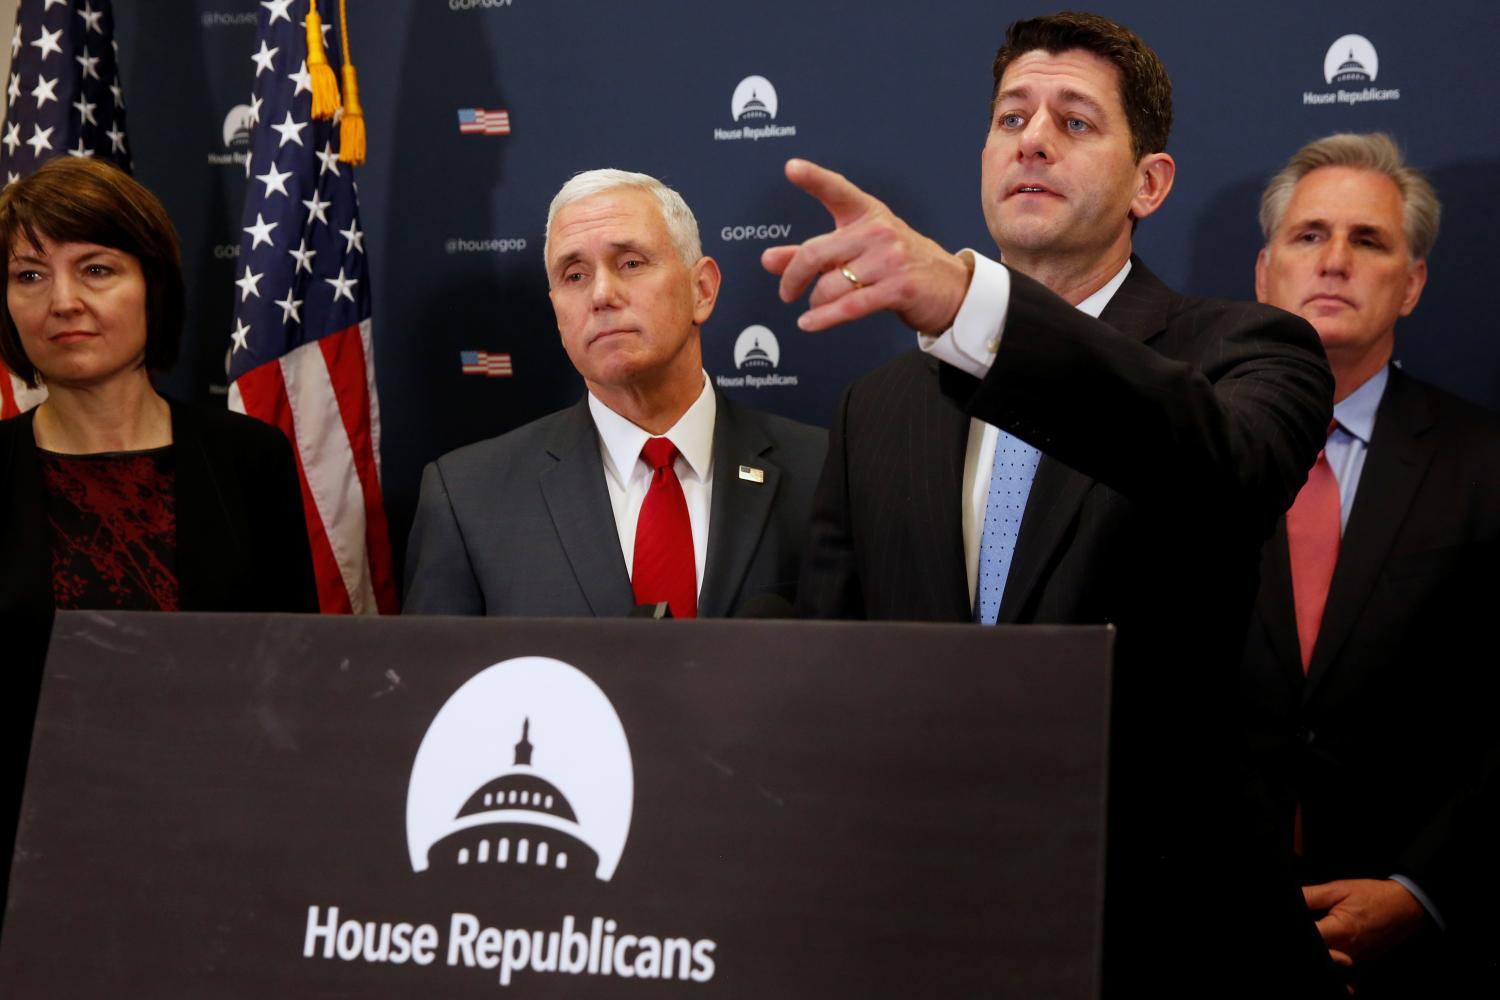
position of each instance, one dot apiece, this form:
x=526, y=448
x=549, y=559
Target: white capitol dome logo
x=526, y=764
x=754, y=100
x=237, y=127
x=756, y=347
x=1351, y=59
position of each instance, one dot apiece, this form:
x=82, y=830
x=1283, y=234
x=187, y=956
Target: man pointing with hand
x=1075, y=443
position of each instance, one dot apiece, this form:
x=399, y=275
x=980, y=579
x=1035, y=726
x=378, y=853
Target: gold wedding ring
x=853, y=278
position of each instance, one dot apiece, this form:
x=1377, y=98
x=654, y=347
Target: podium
x=251, y=806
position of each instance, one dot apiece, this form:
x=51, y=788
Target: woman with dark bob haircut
x=110, y=495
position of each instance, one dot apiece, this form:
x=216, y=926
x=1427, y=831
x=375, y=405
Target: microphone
x=658, y=610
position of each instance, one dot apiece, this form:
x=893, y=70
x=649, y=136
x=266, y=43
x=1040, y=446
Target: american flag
x=485, y=363
x=301, y=354
x=478, y=121
x=63, y=97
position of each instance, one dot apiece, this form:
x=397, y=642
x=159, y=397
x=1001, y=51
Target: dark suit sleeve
x=1455, y=856
x=1217, y=417
x=439, y=577
x=829, y=583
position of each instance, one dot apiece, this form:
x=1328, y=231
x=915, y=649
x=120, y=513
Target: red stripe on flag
x=344, y=353
x=8, y=407
x=263, y=392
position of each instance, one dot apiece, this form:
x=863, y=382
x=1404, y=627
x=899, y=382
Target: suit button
x=1306, y=736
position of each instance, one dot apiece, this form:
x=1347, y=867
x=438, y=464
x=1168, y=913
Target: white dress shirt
x=629, y=477
x=970, y=345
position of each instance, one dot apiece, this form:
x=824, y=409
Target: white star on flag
x=260, y=232
x=289, y=307
x=317, y=208
x=278, y=10
x=116, y=140
x=239, y=333
x=255, y=103
x=263, y=58
x=40, y=139
x=354, y=237
x=12, y=136
x=89, y=63
x=342, y=287
x=329, y=158
x=48, y=43
x=302, y=78
x=303, y=257
x=45, y=90
x=275, y=182
x=249, y=284
x=289, y=130
x=80, y=150
x=91, y=17
x=85, y=111
x=14, y=90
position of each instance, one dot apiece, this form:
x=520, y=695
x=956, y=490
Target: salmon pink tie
x=663, y=568
x=1312, y=536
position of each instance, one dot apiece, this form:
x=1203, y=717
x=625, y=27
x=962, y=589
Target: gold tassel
x=352, y=129
x=325, y=87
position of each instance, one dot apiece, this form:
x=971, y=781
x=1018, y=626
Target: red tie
x=664, y=568
x=1312, y=536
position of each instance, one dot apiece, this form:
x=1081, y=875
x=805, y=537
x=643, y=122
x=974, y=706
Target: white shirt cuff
x=971, y=342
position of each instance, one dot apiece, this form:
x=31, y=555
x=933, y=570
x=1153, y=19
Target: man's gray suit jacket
x=521, y=524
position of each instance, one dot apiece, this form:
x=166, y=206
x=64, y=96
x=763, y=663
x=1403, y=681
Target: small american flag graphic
x=485, y=363
x=478, y=121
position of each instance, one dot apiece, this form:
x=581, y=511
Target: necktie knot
x=659, y=453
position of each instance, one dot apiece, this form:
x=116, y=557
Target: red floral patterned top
x=113, y=521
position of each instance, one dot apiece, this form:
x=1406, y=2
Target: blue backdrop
x=893, y=94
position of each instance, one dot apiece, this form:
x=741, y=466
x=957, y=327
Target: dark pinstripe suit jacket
x=1174, y=432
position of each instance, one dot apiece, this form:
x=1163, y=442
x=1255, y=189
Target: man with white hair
x=1366, y=707
x=653, y=488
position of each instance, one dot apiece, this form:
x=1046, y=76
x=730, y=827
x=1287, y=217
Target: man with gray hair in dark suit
x=654, y=487
x=1363, y=701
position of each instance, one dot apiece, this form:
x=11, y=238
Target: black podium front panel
x=286, y=806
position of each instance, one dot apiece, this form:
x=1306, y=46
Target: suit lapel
x=1140, y=306
x=939, y=429
x=1397, y=460
x=1138, y=310
x=739, y=509
x=578, y=501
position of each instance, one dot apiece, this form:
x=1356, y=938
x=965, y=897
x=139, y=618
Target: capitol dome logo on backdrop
x=236, y=134
x=754, y=100
x=757, y=355
x=1351, y=61
x=754, y=105
x=756, y=347
x=526, y=765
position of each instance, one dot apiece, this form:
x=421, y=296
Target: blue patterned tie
x=1010, y=485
